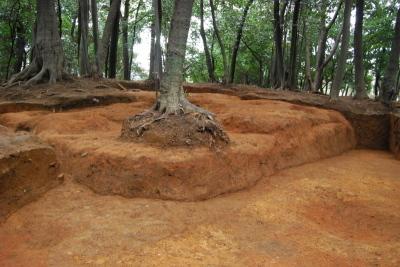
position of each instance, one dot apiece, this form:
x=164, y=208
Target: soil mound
x=28, y=168
x=265, y=135
x=187, y=130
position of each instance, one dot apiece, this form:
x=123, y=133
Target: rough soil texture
x=395, y=134
x=64, y=96
x=342, y=211
x=28, y=168
x=266, y=136
x=370, y=119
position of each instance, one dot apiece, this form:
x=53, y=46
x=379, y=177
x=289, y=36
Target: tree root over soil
x=194, y=128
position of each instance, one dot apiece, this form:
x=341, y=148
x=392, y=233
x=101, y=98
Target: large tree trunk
x=210, y=67
x=358, y=52
x=114, y=45
x=293, y=46
x=280, y=75
x=84, y=30
x=48, y=55
x=237, y=41
x=341, y=64
x=220, y=43
x=389, y=81
x=152, y=49
x=105, y=40
x=157, y=6
x=125, y=48
x=172, y=107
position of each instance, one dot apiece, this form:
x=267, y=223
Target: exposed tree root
x=188, y=126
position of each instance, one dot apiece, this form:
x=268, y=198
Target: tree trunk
x=210, y=67
x=172, y=109
x=134, y=35
x=341, y=64
x=389, y=80
x=358, y=52
x=237, y=41
x=280, y=75
x=125, y=48
x=157, y=7
x=293, y=46
x=220, y=43
x=105, y=40
x=48, y=55
x=112, y=66
x=59, y=17
x=152, y=50
x=19, y=49
x=308, y=82
x=95, y=34
x=321, y=62
x=84, y=26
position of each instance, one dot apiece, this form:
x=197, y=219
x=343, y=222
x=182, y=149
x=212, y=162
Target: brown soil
x=341, y=211
x=266, y=136
x=174, y=130
x=395, y=134
x=28, y=168
x=64, y=96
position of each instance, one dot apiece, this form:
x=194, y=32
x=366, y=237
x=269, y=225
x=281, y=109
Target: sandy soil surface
x=342, y=211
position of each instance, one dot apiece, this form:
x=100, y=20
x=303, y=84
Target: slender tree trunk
x=377, y=82
x=324, y=29
x=389, y=81
x=125, y=48
x=280, y=75
x=48, y=56
x=84, y=26
x=220, y=43
x=358, y=52
x=95, y=35
x=152, y=50
x=112, y=67
x=105, y=40
x=133, y=38
x=19, y=49
x=59, y=17
x=210, y=67
x=341, y=65
x=308, y=82
x=293, y=46
x=237, y=41
x=157, y=6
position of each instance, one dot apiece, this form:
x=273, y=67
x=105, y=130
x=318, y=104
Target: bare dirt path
x=342, y=211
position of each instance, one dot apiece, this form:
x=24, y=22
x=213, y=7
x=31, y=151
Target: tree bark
x=125, y=48
x=341, y=64
x=389, y=81
x=19, y=48
x=237, y=41
x=220, y=43
x=84, y=30
x=358, y=52
x=210, y=67
x=112, y=65
x=280, y=75
x=324, y=29
x=105, y=40
x=48, y=55
x=293, y=46
x=95, y=34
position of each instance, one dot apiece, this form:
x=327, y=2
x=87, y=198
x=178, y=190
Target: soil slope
x=341, y=211
x=266, y=136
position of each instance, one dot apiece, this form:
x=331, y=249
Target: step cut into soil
x=265, y=135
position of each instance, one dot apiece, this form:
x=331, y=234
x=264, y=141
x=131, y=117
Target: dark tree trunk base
x=179, y=129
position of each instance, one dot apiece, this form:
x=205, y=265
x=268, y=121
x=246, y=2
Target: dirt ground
x=342, y=211
x=291, y=190
x=266, y=136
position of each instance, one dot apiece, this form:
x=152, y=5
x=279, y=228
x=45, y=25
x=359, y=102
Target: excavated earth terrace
x=291, y=190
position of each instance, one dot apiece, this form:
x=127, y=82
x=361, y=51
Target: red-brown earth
x=338, y=207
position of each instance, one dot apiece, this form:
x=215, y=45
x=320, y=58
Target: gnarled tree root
x=191, y=126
